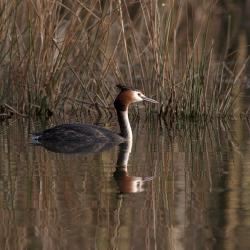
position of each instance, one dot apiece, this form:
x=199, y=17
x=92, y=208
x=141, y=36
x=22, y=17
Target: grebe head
x=122, y=101
x=127, y=96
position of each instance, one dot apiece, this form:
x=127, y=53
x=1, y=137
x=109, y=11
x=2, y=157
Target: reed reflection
x=199, y=197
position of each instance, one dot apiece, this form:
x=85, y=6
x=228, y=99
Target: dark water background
x=199, y=197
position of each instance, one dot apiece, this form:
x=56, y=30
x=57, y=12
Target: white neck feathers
x=125, y=127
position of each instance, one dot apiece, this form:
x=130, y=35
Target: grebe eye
x=139, y=94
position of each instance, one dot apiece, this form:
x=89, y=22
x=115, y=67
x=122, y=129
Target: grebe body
x=87, y=134
x=78, y=132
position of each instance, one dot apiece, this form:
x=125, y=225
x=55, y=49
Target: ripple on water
x=196, y=192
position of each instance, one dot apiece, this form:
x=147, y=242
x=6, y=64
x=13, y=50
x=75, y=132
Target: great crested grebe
x=90, y=135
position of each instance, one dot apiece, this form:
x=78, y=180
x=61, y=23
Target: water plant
x=60, y=56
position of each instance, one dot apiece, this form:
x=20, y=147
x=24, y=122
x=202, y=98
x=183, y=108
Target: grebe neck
x=125, y=128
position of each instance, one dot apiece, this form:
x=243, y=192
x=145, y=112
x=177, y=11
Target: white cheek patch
x=136, y=97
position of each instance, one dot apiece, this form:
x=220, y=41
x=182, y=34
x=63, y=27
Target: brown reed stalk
x=52, y=51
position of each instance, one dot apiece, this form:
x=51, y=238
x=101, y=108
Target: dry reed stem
x=56, y=50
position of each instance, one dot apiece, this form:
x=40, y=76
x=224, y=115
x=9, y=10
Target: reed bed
x=66, y=56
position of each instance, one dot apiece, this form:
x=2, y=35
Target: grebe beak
x=148, y=99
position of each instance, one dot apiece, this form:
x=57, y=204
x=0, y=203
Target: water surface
x=184, y=189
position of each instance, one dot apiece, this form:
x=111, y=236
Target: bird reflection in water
x=125, y=182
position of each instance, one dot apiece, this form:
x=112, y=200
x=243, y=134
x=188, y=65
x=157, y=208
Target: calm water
x=188, y=189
